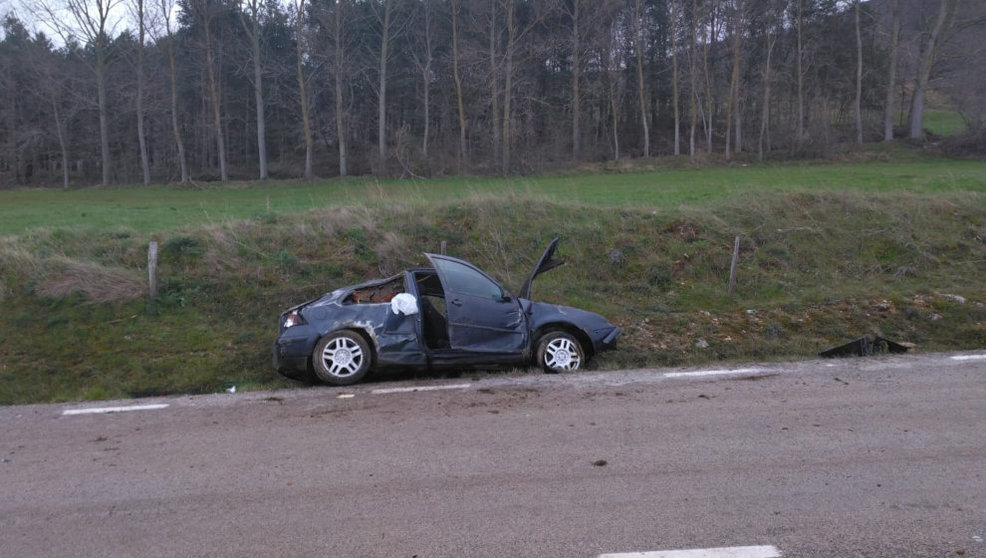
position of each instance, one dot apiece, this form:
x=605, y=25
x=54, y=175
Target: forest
x=100, y=92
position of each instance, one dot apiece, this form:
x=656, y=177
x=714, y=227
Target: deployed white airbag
x=404, y=303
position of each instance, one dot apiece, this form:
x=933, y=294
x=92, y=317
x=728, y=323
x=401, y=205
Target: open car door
x=482, y=316
x=546, y=263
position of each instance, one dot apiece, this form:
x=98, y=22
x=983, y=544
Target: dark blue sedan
x=452, y=314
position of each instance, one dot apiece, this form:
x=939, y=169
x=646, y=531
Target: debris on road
x=864, y=347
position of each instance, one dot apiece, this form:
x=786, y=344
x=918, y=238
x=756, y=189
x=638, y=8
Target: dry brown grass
x=100, y=284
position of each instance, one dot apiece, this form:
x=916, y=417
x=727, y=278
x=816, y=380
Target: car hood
x=545, y=263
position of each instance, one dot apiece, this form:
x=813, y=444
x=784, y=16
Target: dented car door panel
x=482, y=316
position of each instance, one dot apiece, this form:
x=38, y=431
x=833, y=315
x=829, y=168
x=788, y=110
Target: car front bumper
x=607, y=339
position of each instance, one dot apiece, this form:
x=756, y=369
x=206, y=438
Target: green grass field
x=147, y=209
x=828, y=253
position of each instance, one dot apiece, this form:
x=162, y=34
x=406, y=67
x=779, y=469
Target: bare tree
x=55, y=85
x=858, y=103
x=457, y=76
x=250, y=14
x=929, y=48
x=339, y=55
x=638, y=27
x=205, y=12
x=613, y=66
x=89, y=19
x=674, y=75
x=770, y=40
x=140, y=13
x=888, y=110
x=799, y=70
x=574, y=12
x=424, y=61
x=166, y=8
x=299, y=35
x=385, y=22
x=736, y=25
x=692, y=86
x=713, y=38
x=508, y=77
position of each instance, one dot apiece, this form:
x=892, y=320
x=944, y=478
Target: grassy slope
x=828, y=254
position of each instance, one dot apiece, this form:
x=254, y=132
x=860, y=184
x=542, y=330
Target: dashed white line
x=969, y=357
x=730, y=552
x=412, y=389
x=723, y=372
x=104, y=410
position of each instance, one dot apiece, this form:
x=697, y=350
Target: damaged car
x=450, y=315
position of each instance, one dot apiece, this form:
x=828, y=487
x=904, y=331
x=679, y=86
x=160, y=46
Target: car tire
x=560, y=351
x=341, y=358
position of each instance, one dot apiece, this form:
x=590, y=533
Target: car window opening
x=378, y=293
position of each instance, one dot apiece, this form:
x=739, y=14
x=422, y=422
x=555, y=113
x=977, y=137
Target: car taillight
x=293, y=319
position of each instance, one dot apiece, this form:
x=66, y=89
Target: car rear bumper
x=293, y=350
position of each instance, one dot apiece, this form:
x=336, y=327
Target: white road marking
x=712, y=372
x=104, y=410
x=731, y=552
x=969, y=357
x=419, y=388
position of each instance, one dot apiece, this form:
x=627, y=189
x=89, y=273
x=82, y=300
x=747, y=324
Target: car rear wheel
x=560, y=351
x=341, y=358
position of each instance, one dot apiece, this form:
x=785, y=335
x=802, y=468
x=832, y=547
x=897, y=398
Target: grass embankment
x=818, y=266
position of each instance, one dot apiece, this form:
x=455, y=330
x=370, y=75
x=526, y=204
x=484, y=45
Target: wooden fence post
x=152, y=268
x=732, y=266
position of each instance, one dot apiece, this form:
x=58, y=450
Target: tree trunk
x=62, y=144
x=888, y=110
x=674, y=77
x=426, y=79
x=734, y=77
x=175, y=128
x=141, y=133
x=926, y=61
x=258, y=98
x=764, y=139
x=216, y=110
x=638, y=16
x=252, y=30
x=801, y=76
x=104, y=134
x=692, y=101
x=303, y=92
x=859, y=78
x=575, y=14
x=460, y=104
x=508, y=75
x=612, y=73
x=494, y=86
x=338, y=83
x=709, y=100
x=382, y=94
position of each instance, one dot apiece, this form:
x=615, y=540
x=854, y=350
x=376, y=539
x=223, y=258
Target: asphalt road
x=876, y=457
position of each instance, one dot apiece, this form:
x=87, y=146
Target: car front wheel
x=341, y=358
x=560, y=351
